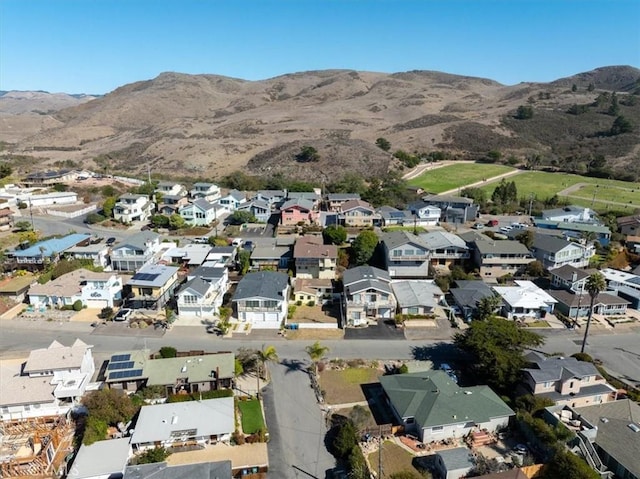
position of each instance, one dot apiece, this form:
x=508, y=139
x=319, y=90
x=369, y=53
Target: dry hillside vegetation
x=209, y=125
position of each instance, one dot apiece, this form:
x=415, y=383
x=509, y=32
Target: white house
x=260, y=209
x=93, y=289
x=525, y=301
x=206, y=191
x=136, y=251
x=51, y=382
x=200, y=212
x=232, y=200
x=98, y=253
x=170, y=188
x=201, y=298
x=261, y=299
x=49, y=199
x=130, y=208
x=554, y=252
x=425, y=214
x=101, y=460
x=367, y=295
x=571, y=214
x=202, y=422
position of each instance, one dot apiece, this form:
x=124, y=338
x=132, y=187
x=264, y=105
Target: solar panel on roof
x=145, y=276
x=635, y=280
x=131, y=373
x=125, y=365
x=120, y=357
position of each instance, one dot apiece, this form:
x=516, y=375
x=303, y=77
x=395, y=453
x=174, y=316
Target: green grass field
x=395, y=459
x=457, y=175
x=544, y=185
x=252, y=420
x=343, y=386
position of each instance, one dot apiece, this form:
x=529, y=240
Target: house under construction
x=35, y=447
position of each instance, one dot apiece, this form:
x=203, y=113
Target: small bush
x=168, y=352
x=311, y=304
x=237, y=438
x=584, y=357
x=77, y=305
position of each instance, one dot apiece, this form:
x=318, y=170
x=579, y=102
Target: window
x=397, y=252
x=412, y=310
x=436, y=429
x=270, y=304
x=355, y=315
x=252, y=304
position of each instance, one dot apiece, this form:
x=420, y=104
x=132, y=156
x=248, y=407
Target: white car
x=123, y=314
x=506, y=229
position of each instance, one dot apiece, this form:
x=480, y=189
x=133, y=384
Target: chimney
x=574, y=277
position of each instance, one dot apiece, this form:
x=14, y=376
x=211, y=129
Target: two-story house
x=334, y=201
x=170, y=204
x=629, y=225
x=298, y=211
x=170, y=188
x=357, y=214
x=367, y=295
x=232, y=200
x=93, y=289
x=425, y=214
x=406, y=255
x=152, y=286
x=625, y=284
x=262, y=299
x=313, y=196
x=570, y=278
x=314, y=259
x=566, y=381
x=261, y=210
x=499, y=258
x=98, y=253
x=570, y=214
x=205, y=191
x=130, y=208
x=445, y=249
x=200, y=212
x=51, y=382
x=525, y=301
x=274, y=198
x=6, y=219
x=454, y=209
x=200, y=298
x=136, y=251
x=554, y=252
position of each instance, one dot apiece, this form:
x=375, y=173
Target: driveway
x=381, y=330
x=296, y=424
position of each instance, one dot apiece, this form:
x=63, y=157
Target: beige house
x=367, y=295
x=152, y=286
x=314, y=259
x=567, y=381
x=357, y=214
x=316, y=290
x=499, y=258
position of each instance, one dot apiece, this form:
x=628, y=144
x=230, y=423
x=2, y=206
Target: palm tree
x=265, y=355
x=316, y=352
x=594, y=284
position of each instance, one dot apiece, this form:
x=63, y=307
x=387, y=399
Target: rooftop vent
x=604, y=420
x=174, y=419
x=183, y=369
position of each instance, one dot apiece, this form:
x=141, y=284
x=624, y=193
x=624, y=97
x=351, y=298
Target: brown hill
x=209, y=125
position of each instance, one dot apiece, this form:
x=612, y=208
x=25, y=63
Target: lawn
x=343, y=386
x=454, y=176
x=252, y=420
x=395, y=459
x=544, y=185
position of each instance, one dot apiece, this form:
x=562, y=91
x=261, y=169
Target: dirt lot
x=314, y=334
x=344, y=386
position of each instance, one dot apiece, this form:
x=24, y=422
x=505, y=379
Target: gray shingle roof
x=571, y=299
x=263, y=284
x=553, y=369
x=101, y=459
x=551, y=244
x=502, y=247
x=198, y=285
x=457, y=458
x=161, y=470
x=416, y=293
x=566, y=272
x=393, y=239
x=301, y=202
x=468, y=293
x=361, y=273
x=139, y=240
x=442, y=239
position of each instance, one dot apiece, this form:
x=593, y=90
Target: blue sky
x=94, y=46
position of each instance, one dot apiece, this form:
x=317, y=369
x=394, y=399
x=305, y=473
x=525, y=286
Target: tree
x=383, y=144
x=109, y=405
x=363, y=246
x=307, y=154
x=265, y=355
x=176, y=221
x=334, y=234
x=505, y=193
x=524, y=112
x=23, y=226
x=168, y=352
x=526, y=238
x=478, y=195
x=244, y=261
x=567, y=465
x=594, y=285
x=535, y=269
x=316, y=352
x=241, y=217
x=494, y=156
x=614, y=108
x=160, y=221
x=359, y=415
x=620, y=125
x=497, y=346
x=93, y=218
x=488, y=306
x=106, y=313
x=345, y=440
x=108, y=205
x=150, y=456
x=95, y=429
x=5, y=170
x=574, y=88
x=591, y=87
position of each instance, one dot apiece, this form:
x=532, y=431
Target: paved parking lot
x=382, y=330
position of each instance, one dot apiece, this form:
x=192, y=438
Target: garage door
x=272, y=317
x=97, y=303
x=384, y=313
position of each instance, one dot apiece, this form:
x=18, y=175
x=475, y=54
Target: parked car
x=478, y=226
x=146, y=228
x=123, y=314
x=493, y=223
x=506, y=229
x=110, y=241
x=200, y=240
x=521, y=449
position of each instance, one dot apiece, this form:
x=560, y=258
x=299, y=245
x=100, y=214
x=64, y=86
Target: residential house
x=318, y=291
x=632, y=243
x=15, y=289
x=205, y=191
x=225, y=255
x=570, y=278
x=261, y=210
x=314, y=259
x=575, y=305
x=390, y=216
x=232, y=200
x=131, y=207
x=35, y=257
x=200, y=470
x=49, y=199
x=612, y=429
x=357, y=214
x=190, y=255
x=275, y=257
x=629, y=225
x=432, y=406
x=554, y=252
x=525, y=301
x=445, y=249
x=566, y=381
x=93, y=289
x=136, y=251
x=454, y=463
x=273, y=198
x=499, y=258
x=192, y=422
x=261, y=299
x=48, y=178
x=101, y=460
x=298, y=211
x=570, y=214
x=417, y=297
x=624, y=284
x=454, y=209
x=425, y=214
x=170, y=188
x=200, y=212
x=367, y=295
x=334, y=201
x=96, y=252
x=406, y=255
x=313, y=196
x=171, y=204
x=152, y=286
x=6, y=219
x=577, y=231
x=51, y=382
x=201, y=298
x=467, y=295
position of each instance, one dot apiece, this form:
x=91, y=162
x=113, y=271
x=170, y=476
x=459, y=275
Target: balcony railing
x=258, y=309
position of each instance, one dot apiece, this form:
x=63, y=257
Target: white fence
x=72, y=214
x=317, y=325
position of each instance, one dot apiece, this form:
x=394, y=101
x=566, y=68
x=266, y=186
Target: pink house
x=297, y=211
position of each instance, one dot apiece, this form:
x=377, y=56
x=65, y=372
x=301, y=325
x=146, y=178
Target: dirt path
x=418, y=170
x=483, y=182
x=575, y=188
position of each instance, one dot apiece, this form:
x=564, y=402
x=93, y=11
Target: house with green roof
x=432, y=406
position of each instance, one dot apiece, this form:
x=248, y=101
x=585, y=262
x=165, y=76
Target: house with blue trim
x=37, y=255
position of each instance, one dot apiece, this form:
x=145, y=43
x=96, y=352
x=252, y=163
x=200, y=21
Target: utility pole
x=530, y=203
x=380, y=453
x=33, y=228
